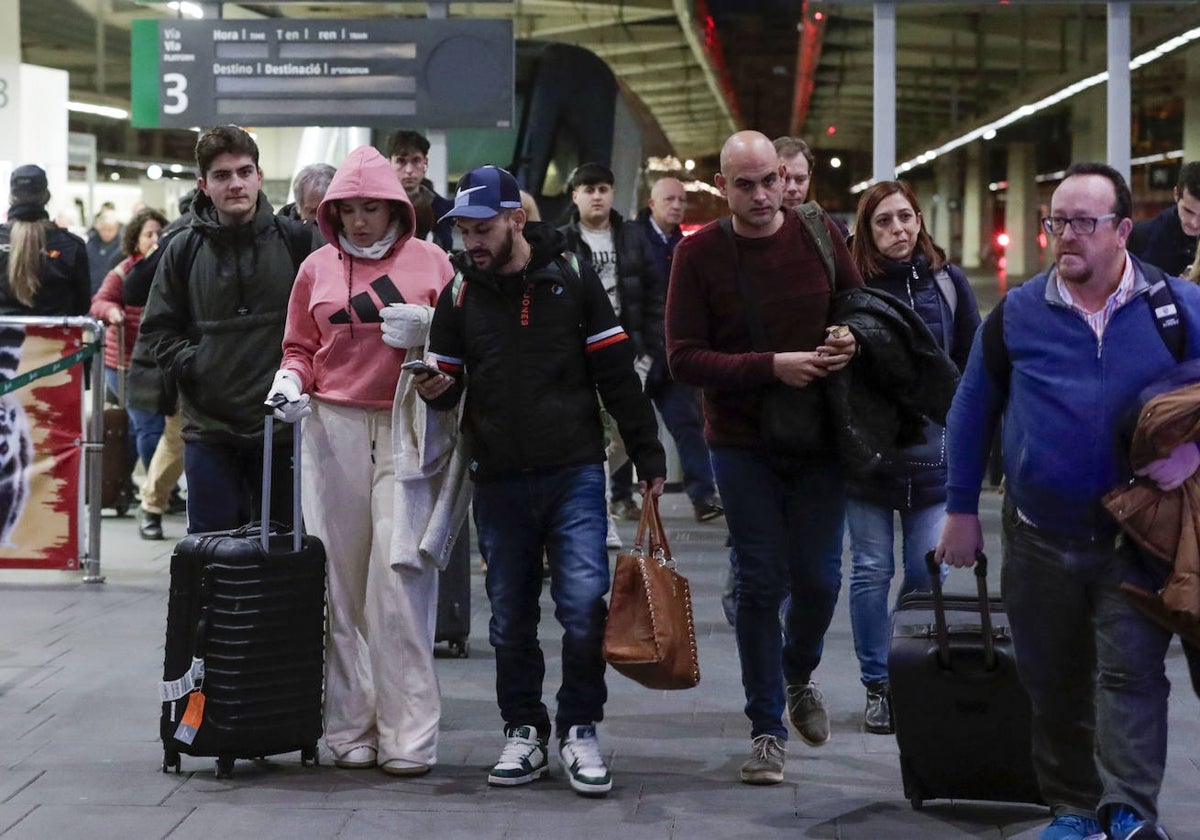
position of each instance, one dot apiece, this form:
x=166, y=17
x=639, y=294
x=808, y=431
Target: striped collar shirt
x=1098, y=320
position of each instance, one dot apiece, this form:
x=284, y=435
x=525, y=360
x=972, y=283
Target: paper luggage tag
x=171, y=690
x=192, y=716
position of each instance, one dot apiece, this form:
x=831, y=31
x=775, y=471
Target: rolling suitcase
x=962, y=717
x=454, y=598
x=245, y=651
x=116, y=485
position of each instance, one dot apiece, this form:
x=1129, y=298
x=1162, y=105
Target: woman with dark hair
x=894, y=253
x=43, y=268
x=139, y=238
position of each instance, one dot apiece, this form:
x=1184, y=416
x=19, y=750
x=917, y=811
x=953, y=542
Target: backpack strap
x=945, y=285
x=298, y=238
x=996, y=360
x=813, y=217
x=1161, y=301
x=1163, y=309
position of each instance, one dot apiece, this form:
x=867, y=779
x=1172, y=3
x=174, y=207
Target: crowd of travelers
x=522, y=372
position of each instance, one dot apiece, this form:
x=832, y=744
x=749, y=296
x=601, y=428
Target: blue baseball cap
x=483, y=193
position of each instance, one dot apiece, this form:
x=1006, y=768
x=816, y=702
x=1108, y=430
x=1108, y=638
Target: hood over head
x=365, y=173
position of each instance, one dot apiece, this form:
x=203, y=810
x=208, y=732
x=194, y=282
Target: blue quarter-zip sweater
x=1067, y=393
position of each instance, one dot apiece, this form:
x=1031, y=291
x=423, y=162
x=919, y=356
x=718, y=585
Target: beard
x=488, y=261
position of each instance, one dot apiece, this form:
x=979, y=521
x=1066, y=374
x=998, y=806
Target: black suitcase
x=116, y=484
x=245, y=649
x=962, y=717
x=454, y=598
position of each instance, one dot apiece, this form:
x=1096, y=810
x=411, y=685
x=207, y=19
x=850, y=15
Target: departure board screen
x=386, y=73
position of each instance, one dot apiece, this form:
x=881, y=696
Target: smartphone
x=420, y=366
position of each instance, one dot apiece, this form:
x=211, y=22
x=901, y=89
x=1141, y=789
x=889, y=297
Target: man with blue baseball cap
x=533, y=328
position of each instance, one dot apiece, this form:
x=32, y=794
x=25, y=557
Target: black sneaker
x=149, y=525
x=626, y=509
x=877, y=719
x=708, y=510
x=176, y=504
x=523, y=759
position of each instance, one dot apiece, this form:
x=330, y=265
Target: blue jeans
x=225, y=484
x=1094, y=669
x=872, y=566
x=145, y=428
x=679, y=406
x=559, y=513
x=786, y=529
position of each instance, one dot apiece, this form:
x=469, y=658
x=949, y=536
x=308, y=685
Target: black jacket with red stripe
x=538, y=347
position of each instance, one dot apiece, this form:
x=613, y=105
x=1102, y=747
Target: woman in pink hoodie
x=360, y=306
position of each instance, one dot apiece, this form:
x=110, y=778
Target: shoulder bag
x=650, y=637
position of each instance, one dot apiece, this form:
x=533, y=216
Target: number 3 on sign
x=176, y=93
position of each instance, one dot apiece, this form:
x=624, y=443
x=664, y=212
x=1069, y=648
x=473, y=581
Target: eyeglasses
x=1080, y=225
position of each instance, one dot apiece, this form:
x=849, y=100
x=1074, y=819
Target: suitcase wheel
x=309, y=755
x=917, y=803
x=460, y=648
x=225, y=767
x=171, y=760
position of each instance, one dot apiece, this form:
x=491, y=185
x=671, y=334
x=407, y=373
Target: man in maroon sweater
x=785, y=516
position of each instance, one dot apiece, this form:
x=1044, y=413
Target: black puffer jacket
x=641, y=289
x=882, y=401
x=537, y=347
x=214, y=319
x=915, y=477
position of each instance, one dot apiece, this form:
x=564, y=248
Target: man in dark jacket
x=630, y=276
x=532, y=328
x=214, y=321
x=1169, y=239
x=409, y=153
x=679, y=404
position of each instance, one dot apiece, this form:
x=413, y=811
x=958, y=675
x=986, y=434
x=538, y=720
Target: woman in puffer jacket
x=894, y=253
x=361, y=305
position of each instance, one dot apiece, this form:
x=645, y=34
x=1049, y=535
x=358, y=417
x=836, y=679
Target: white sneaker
x=523, y=759
x=579, y=753
x=359, y=758
x=613, y=539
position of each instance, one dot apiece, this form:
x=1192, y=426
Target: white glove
x=295, y=406
x=405, y=324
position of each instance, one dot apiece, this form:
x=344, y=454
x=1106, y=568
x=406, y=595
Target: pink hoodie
x=332, y=339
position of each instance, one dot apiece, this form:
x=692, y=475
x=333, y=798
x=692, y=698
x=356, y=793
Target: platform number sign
x=384, y=72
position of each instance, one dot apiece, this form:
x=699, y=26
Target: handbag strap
x=650, y=528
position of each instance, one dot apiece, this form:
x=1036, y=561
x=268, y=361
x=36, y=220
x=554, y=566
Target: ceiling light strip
x=1032, y=108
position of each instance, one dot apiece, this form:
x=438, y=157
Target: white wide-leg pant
x=380, y=684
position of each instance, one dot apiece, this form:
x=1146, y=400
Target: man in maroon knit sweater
x=785, y=517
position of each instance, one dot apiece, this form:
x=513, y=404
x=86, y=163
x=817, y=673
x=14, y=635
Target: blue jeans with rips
x=872, y=565
x=787, y=531
x=559, y=513
x=1094, y=668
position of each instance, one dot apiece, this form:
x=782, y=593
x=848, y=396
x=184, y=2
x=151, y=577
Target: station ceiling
x=705, y=68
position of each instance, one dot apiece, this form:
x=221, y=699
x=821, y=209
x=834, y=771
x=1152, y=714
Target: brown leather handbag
x=649, y=636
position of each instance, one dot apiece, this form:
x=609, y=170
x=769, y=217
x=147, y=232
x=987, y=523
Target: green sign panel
x=387, y=73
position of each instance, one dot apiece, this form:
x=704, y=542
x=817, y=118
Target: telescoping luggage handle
x=939, y=610
x=268, y=452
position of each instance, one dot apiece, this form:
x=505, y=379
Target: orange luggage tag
x=192, y=717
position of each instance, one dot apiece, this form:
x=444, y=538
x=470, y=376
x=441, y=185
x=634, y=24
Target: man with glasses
x=1062, y=359
x=409, y=153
